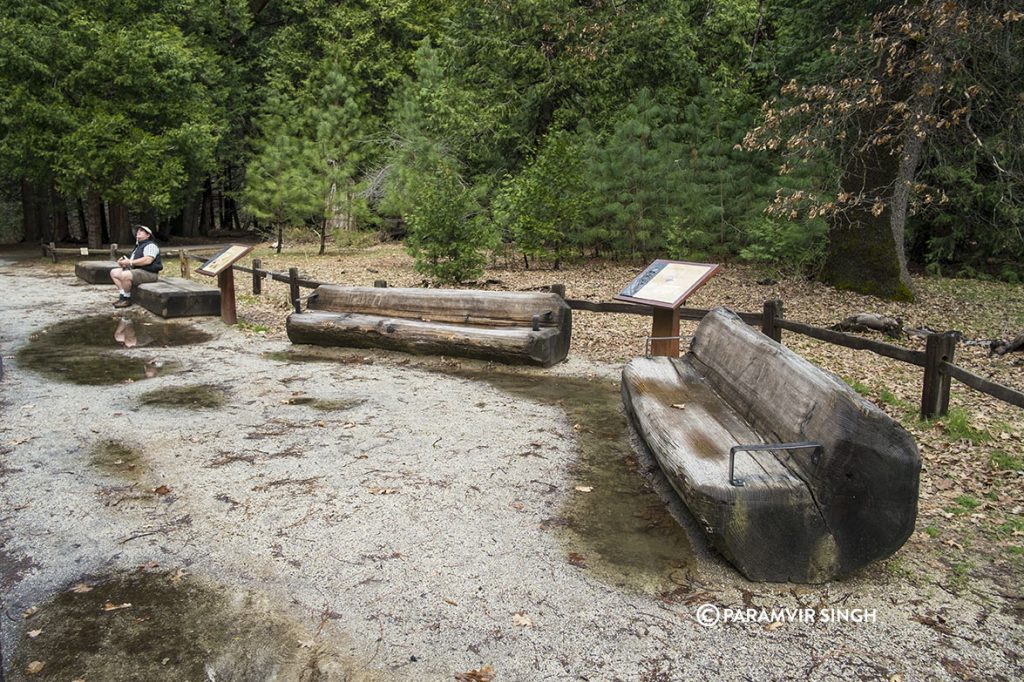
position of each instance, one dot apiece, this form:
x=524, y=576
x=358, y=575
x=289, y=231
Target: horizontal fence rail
x=913, y=357
x=1004, y=393
x=937, y=362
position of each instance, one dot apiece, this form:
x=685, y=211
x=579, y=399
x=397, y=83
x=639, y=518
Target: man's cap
x=143, y=227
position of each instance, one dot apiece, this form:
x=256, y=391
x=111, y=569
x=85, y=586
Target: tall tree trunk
x=32, y=221
x=93, y=220
x=873, y=259
x=58, y=210
x=207, y=223
x=190, y=217
x=120, y=224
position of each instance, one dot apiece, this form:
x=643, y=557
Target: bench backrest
x=454, y=306
x=785, y=398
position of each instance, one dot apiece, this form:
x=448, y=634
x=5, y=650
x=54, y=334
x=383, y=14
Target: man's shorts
x=143, y=276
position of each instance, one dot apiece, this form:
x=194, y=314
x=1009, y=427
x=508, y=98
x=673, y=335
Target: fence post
x=293, y=289
x=257, y=277
x=53, y=251
x=772, y=311
x=186, y=268
x=939, y=348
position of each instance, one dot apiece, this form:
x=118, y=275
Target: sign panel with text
x=667, y=283
x=223, y=260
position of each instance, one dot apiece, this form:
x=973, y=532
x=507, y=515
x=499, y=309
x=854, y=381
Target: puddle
x=325, y=404
x=192, y=396
x=158, y=626
x=621, y=530
x=89, y=350
x=117, y=459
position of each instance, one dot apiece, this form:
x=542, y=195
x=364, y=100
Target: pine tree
x=332, y=124
x=448, y=235
x=542, y=208
x=278, y=178
x=635, y=172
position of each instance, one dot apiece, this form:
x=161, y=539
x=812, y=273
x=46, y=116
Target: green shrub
x=789, y=245
x=448, y=237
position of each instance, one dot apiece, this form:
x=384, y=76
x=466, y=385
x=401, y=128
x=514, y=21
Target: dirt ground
x=202, y=502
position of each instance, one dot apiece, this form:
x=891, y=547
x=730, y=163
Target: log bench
x=177, y=297
x=95, y=271
x=509, y=327
x=793, y=476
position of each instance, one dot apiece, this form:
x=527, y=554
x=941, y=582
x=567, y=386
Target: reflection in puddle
x=86, y=350
x=124, y=333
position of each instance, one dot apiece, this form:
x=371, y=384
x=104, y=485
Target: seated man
x=141, y=266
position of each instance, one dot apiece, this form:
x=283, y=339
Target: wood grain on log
x=177, y=297
x=515, y=345
x=457, y=306
x=95, y=271
x=492, y=325
x=803, y=519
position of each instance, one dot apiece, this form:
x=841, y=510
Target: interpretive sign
x=664, y=285
x=223, y=260
x=667, y=283
x=220, y=266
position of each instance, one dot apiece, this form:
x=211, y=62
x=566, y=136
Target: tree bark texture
x=120, y=224
x=93, y=220
x=863, y=254
x=31, y=213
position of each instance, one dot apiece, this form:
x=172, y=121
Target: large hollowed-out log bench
x=167, y=297
x=177, y=297
x=509, y=327
x=792, y=475
x=95, y=271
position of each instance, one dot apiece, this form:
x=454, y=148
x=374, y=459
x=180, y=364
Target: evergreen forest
x=851, y=141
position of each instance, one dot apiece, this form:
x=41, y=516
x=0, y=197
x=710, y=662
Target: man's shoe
x=123, y=302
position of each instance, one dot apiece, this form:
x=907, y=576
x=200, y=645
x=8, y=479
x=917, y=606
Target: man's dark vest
x=157, y=265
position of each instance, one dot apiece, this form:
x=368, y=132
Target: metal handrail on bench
x=739, y=483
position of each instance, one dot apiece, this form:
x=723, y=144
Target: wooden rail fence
x=937, y=359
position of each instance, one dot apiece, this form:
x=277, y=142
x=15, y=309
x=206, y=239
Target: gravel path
x=389, y=512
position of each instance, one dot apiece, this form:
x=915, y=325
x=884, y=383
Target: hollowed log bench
x=509, y=327
x=793, y=476
x=167, y=297
x=95, y=271
x=177, y=297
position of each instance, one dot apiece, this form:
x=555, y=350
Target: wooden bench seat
x=177, y=297
x=800, y=515
x=95, y=271
x=510, y=327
